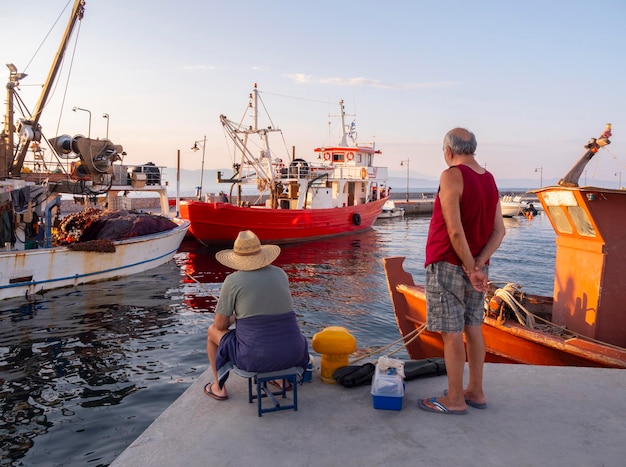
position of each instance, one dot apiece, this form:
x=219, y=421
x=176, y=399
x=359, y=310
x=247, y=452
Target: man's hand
x=479, y=280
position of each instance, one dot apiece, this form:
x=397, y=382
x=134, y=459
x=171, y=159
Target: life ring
x=326, y=156
x=350, y=156
x=363, y=173
x=356, y=218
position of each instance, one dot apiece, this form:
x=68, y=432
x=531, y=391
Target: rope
x=506, y=294
x=414, y=334
x=202, y=285
x=524, y=317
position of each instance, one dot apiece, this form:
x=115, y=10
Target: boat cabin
x=590, y=276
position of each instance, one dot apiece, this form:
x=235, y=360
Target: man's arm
x=222, y=322
x=450, y=192
x=495, y=239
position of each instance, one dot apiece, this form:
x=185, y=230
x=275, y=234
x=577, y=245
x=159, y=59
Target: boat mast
x=571, y=178
x=7, y=137
x=344, y=135
x=29, y=129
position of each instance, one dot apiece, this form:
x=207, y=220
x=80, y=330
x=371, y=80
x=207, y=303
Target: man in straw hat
x=257, y=298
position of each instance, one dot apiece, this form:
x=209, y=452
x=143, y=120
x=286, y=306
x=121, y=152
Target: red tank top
x=478, y=210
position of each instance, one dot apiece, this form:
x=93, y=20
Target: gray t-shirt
x=251, y=293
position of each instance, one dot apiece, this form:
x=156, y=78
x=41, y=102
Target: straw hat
x=248, y=254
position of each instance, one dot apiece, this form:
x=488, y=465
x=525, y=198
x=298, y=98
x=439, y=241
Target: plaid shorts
x=451, y=301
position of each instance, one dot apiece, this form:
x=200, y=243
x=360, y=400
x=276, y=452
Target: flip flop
x=476, y=405
x=279, y=386
x=438, y=407
x=470, y=402
x=210, y=393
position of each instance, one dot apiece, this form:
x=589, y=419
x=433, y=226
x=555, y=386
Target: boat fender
x=356, y=218
x=363, y=173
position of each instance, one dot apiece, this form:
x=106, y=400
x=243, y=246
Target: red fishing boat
x=584, y=324
x=342, y=192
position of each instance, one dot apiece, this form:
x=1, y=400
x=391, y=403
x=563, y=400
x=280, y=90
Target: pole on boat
x=178, y=183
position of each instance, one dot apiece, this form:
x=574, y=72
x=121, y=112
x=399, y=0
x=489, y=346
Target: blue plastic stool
x=262, y=391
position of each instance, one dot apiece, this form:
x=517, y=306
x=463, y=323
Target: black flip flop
x=208, y=392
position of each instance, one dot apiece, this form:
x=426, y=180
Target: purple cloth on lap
x=262, y=343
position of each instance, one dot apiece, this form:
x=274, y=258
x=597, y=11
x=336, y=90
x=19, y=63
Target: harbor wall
x=419, y=203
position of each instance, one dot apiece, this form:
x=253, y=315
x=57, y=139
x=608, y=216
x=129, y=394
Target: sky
x=534, y=80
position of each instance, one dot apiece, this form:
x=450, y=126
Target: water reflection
x=76, y=350
x=329, y=279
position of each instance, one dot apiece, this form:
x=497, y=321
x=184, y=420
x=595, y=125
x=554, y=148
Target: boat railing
x=346, y=172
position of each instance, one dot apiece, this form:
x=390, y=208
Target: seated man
x=257, y=299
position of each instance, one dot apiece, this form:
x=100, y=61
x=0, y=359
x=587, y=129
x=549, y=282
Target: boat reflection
x=312, y=268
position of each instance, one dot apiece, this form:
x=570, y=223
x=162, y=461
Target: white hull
x=510, y=210
x=395, y=213
x=511, y=206
x=28, y=272
x=390, y=211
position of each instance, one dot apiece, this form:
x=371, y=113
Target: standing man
x=466, y=228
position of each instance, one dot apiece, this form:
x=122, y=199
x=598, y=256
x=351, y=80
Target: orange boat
x=343, y=192
x=584, y=324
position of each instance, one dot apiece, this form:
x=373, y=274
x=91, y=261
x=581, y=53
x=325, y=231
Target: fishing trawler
x=40, y=248
x=343, y=192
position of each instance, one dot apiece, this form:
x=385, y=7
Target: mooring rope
x=414, y=334
x=507, y=295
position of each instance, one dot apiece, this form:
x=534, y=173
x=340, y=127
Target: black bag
x=354, y=375
x=423, y=368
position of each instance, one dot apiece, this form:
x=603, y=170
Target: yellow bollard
x=334, y=344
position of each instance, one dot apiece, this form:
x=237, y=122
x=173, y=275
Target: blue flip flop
x=470, y=402
x=438, y=407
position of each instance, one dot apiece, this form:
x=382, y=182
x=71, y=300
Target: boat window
x=560, y=220
x=338, y=157
x=581, y=221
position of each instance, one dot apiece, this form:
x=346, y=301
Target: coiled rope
x=528, y=319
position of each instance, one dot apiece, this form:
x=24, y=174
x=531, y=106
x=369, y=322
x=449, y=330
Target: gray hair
x=461, y=141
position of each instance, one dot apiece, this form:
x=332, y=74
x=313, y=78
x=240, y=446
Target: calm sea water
x=84, y=371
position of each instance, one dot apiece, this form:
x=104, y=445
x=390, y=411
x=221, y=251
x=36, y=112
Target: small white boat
x=390, y=211
x=511, y=205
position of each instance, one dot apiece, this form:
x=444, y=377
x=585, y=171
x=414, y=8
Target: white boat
x=511, y=205
x=390, y=211
x=39, y=248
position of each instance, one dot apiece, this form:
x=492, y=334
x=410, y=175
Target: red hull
x=506, y=342
x=219, y=223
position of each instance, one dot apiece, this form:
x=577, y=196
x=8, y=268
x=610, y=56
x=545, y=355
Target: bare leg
x=476, y=360
x=214, y=336
x=454, y=354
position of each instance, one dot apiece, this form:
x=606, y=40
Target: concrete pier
x=536, y=416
